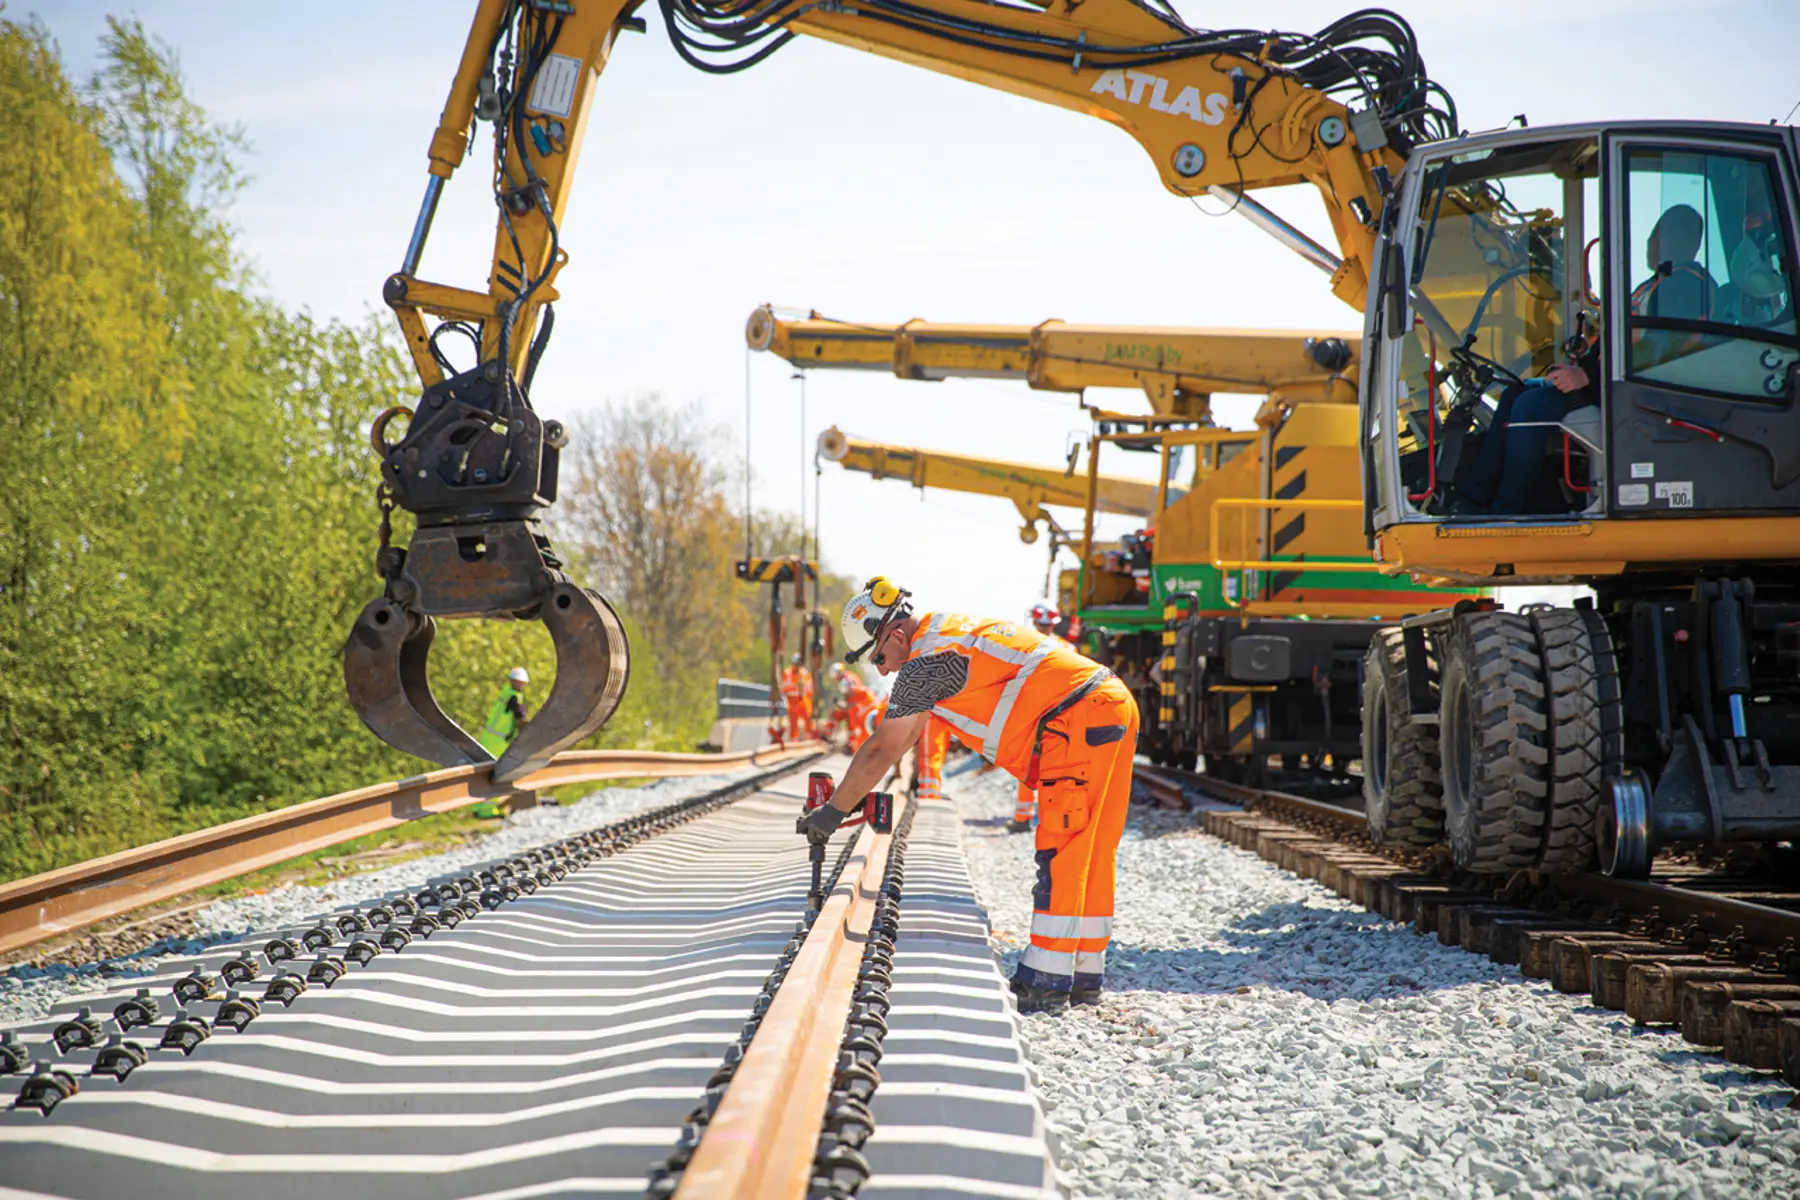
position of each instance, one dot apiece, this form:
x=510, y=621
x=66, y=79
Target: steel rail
x=762, y=1140
x=73, y=897
x=1169, y=784
x=1674, y=903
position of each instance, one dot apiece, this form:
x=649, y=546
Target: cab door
x=1702, y=341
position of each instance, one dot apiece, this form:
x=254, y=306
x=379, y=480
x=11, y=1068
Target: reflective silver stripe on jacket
x=931, y=641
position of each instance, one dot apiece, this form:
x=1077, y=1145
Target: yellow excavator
x=1666, y=711
x=474, y=462
x=1194, y=610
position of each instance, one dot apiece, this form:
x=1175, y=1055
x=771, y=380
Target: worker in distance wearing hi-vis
x=1045, y=714
x=506, y=715
x=797, y=690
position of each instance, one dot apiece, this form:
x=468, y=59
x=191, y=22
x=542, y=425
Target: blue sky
x=830, y=179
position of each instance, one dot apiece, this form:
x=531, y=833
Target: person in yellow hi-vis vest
x=506, y=716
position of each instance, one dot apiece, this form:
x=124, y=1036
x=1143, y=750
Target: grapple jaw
x=475, y=464
x=385, y=676
x=593, y=664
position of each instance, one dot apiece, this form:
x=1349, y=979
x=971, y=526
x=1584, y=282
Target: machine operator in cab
x=1504, y=476
x=1034, y=707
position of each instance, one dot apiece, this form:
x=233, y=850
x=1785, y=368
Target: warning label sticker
x=1634, y=495
x=553, y=91
x=1679, y=495
x=1643, y=470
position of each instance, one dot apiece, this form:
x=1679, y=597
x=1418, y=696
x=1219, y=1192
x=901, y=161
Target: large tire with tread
x=1403, y=792
x=1493, y=731
x=1571, y=680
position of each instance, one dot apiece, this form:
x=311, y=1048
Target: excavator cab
x=1658, y=256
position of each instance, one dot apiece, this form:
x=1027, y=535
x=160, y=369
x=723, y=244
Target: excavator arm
x=1178, y=369
x=476, y=464
x=1221, y=113
x=1029, y=487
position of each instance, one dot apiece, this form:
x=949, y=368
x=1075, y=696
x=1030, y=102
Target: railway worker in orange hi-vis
x=859, y=708
x=934, y=744
x=1043, y=619
x=797, y=690
x=1043, y=713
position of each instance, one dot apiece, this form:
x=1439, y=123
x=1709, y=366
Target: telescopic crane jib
x=1029, y=488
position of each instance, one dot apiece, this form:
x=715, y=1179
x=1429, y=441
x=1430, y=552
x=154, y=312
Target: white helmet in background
x=871, y=613
x=519, y=675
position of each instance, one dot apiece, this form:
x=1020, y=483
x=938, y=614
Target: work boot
x=1017, y=826
x=1084, y=995
x=1034, y=999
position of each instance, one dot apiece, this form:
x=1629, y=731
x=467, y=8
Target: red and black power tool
x=877, y=807
x=876, y=811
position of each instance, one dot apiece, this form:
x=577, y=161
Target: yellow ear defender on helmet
x=882, y=592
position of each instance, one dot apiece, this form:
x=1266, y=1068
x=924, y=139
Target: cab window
x=1709, y=266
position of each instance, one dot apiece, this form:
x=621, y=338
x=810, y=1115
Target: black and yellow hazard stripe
x=773, y=570
x=1240, y=723
x=1166, y=713
x=1287, y=482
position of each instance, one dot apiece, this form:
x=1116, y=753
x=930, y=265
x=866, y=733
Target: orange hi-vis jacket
x=796, y=683
x=1016, y=675
x=860, y=699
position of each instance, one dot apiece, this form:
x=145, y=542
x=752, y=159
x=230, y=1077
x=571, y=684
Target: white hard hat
x=869, y=614
x=520, y=675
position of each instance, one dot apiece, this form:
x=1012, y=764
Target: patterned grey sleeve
x=923, y=682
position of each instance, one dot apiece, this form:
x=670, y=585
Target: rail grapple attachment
x=475, y=464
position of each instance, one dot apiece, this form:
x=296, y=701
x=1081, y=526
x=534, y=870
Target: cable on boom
x=1370, y=55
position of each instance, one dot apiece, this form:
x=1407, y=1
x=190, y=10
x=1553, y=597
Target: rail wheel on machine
x=1402, y=783
x=1493, y=731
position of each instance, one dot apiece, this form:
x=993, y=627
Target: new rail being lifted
x=650, y=1008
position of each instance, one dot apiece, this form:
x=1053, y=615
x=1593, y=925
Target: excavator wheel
x=1403, y=789
x=1494, y=730
x=1574, y=709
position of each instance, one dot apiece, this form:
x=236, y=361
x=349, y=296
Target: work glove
x=819, y=824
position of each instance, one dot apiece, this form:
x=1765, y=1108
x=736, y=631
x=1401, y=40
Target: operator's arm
x=889, y=744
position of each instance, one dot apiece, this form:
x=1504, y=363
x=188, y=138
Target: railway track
x=643, y=1009
x=1710, y=952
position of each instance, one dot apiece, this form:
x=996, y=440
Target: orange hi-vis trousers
x=934, y=743
x=799, y=717
x=1084, y=790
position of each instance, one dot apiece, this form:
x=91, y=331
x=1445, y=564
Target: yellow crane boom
x=1029, y=487
x=1177, y=368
